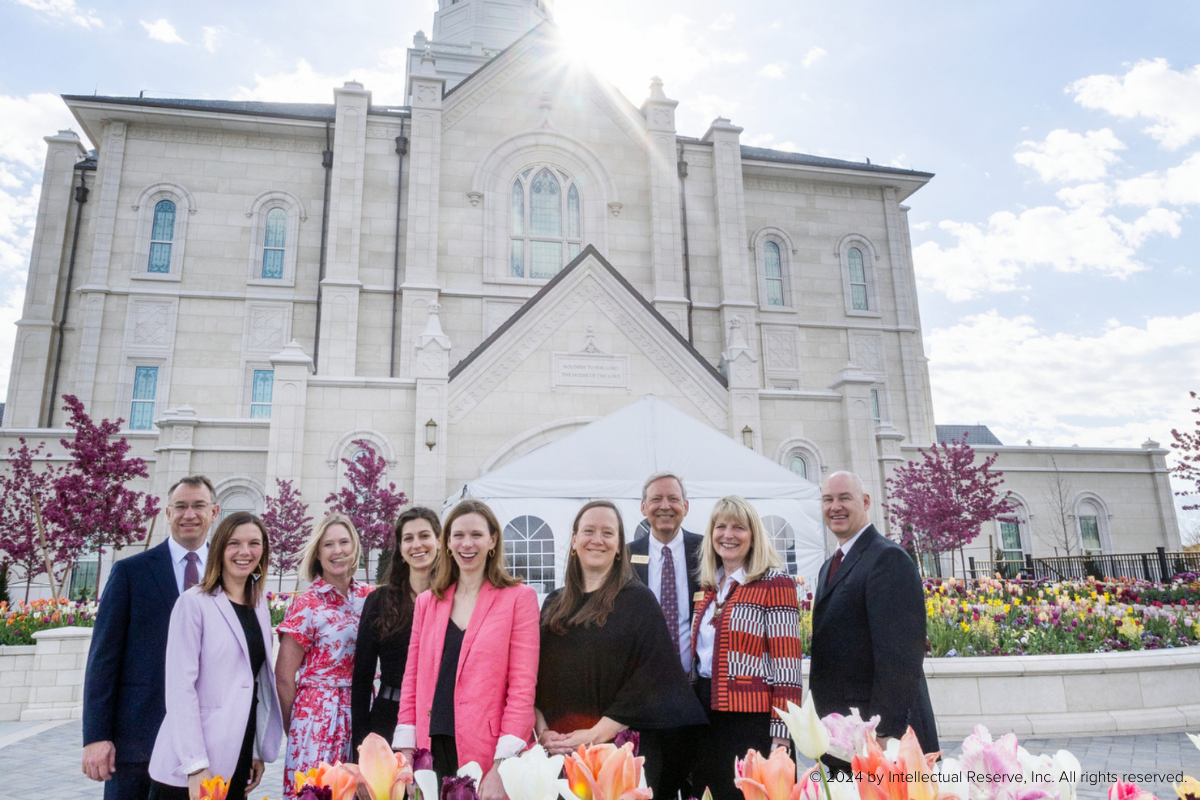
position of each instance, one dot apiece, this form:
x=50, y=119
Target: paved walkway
x=41, y=761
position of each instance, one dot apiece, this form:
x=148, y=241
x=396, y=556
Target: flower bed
x=278, y=603
x=19, y=622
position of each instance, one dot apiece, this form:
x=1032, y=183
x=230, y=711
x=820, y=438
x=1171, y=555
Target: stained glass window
x=543, y=205
x=273, y=243
x=162, y=233
x=145, y=387
x=260, y=393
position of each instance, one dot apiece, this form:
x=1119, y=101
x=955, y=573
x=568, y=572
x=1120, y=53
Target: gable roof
x=532, y=302
x=975, y=434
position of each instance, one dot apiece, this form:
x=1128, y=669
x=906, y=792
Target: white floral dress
x=325, y=624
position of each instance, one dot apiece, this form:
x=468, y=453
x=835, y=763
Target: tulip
x=459, y=788
x=606, y=772
x=384, y=773
x=848, y=735
x=1189, y=789
x=531, y=776
x=810, y=736
x=1128, y=791
x=628, y=735
x=422, y=759
x=894, y=771
x=311, y=791
x=341, y=781
x=771, y=778
x=1195, y=739
x=214, y=788
x=951, y=781
x=997, y=758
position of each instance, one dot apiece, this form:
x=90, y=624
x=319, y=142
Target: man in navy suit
x=668, y=561
x=868, y=641
x=123, y=696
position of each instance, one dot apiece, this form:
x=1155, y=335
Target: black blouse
x=389, y=653
x=627, y=670
x=254, y=637
x=441, y=716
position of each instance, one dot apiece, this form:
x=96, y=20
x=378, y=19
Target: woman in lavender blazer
x=223, y=713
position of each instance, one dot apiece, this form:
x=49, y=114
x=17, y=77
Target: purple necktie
x=670, y=596
x=191, y=573
x=833, y=566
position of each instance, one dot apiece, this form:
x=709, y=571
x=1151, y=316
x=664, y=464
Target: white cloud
x=1115, y=387
x=162, y=31
x=992, y=257
x=66, y=9
x=23, y=123
x=768, y=140
x=1066, y=156
x=213, y=36
x=1177, y=186
x=723, y=22
x=776, y=71
x=305, y=85
x=814, y=55
x=1150, y=89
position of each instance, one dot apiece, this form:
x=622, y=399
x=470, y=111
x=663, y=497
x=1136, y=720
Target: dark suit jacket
x=123, y=696
x=691, y=550
x=868, y=641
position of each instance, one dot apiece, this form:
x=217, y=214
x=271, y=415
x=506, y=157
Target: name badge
x=640, y=559
x=697, y=597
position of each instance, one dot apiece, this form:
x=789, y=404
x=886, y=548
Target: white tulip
x=810, y=736
x=531, y=776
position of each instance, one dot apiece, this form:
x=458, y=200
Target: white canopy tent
x=537, y=495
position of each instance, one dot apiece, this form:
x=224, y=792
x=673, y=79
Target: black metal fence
x=1159, y=566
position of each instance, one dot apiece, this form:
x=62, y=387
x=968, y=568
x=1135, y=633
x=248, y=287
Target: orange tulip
x=606, y=772
x=771, y=778
x=893, y=779
x=214, y=788
x=384, y=773
x=341, y=779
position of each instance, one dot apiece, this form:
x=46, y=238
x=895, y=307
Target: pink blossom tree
x=370, y=505
x=288, y=527
x=90, y=495
x=939, y=504
x=28, y=536
x=1187, y=458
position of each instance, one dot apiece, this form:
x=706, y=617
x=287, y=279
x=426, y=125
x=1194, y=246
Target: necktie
x=833, y=566
x=191, y=573
x=670, y=596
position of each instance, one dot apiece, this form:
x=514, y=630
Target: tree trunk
x=99, y=563
x=28, y=581
x=962, y=559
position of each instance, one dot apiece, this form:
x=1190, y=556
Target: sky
x=1055, y=249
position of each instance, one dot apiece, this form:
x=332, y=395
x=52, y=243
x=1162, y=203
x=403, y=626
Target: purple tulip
x=313, y=792
x=422, y=759
x=459, y=788
x=628, y=736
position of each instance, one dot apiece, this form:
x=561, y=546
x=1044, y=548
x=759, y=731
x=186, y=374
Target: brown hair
x=193, y=481
x=396, y=604
x=214, y=569
x=447, y=568
x=557, y=615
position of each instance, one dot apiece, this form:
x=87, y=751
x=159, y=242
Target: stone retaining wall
x=44, y=681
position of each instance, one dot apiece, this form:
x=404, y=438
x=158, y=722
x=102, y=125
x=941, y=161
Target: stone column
x=94, y=293
x=1157, y=456
x=289, y=402
x=888, y=439
x=738, y=283
x=341, y=287
x=431, y=367
x=665, y=214
x=854, y=386
x=176, y=435
x=33, y=351
x=420, y=288
x=904, y=293
x=740, y=368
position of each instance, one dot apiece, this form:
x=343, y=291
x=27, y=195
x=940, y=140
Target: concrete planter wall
x=45, y=681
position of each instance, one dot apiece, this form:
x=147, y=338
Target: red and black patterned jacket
x=756, y=653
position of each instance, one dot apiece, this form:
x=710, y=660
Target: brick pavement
x=45, y=765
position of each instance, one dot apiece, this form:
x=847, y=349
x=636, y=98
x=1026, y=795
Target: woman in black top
x=386, y=622
x=607, y=661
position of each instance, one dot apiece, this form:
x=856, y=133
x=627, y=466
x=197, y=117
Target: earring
x=618, y=556
x=490, y=552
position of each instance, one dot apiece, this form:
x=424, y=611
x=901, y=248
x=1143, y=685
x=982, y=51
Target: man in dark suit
x=868, y=642
x=123, y=695
x=668, y=561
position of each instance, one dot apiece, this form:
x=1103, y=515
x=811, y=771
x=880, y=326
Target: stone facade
x=340, y=272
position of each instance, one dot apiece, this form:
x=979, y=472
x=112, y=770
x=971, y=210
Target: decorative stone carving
x=150, y=325
x=589, y=367
x=475, y=198
x=866, y=350
x=615, y=209
x=780, y=346
x=268, y=326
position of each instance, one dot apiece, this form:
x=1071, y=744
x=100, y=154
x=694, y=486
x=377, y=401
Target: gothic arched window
x=273, y=243
x=162, y=236
x=545, y=233
x=529, y=543
x=773, y=269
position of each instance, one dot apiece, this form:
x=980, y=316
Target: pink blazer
x=208, y=691
x=497, y=670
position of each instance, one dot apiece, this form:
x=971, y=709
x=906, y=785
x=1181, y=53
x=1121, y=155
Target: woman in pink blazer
x=222, y=710
x=473, y=657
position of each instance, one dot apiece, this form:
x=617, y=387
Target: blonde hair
x=310, y=561
x=762, y=555
x=445, y=574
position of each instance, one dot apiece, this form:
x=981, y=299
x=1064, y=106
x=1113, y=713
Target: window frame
x=1090, y=505
x=806, y=450
x=258, y=404
x=257, y=212
x=787, y=251
x=566, y=184
x=146, y=205
x=549, y=558
x=870, y=274
x=136, y=366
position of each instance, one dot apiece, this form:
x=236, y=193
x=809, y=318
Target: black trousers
x=130, y=781
x=728, y=736
x=669, y=758
x=445, y=757
x=384, y=714
x=237, y=782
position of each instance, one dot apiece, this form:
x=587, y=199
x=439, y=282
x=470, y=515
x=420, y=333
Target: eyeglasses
x=199, y=508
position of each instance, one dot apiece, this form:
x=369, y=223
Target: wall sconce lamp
x=430, y=433
x=748, y=437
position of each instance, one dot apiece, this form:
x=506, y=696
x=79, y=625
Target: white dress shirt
x=706, y=637
x=683, y=636
x=845, y=548
x=179, y=561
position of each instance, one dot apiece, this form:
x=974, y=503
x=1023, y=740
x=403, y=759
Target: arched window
x=545, y=226
x=274, y=240
x=529, y=543
x=162, y=236
x=783, y=538
x=858, y=280
x=773, y=266
x=1090, y=521
x=798, y=465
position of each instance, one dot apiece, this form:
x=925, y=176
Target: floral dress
x=325, y=624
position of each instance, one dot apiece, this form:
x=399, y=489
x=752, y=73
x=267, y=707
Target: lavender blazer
x=209, y=688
